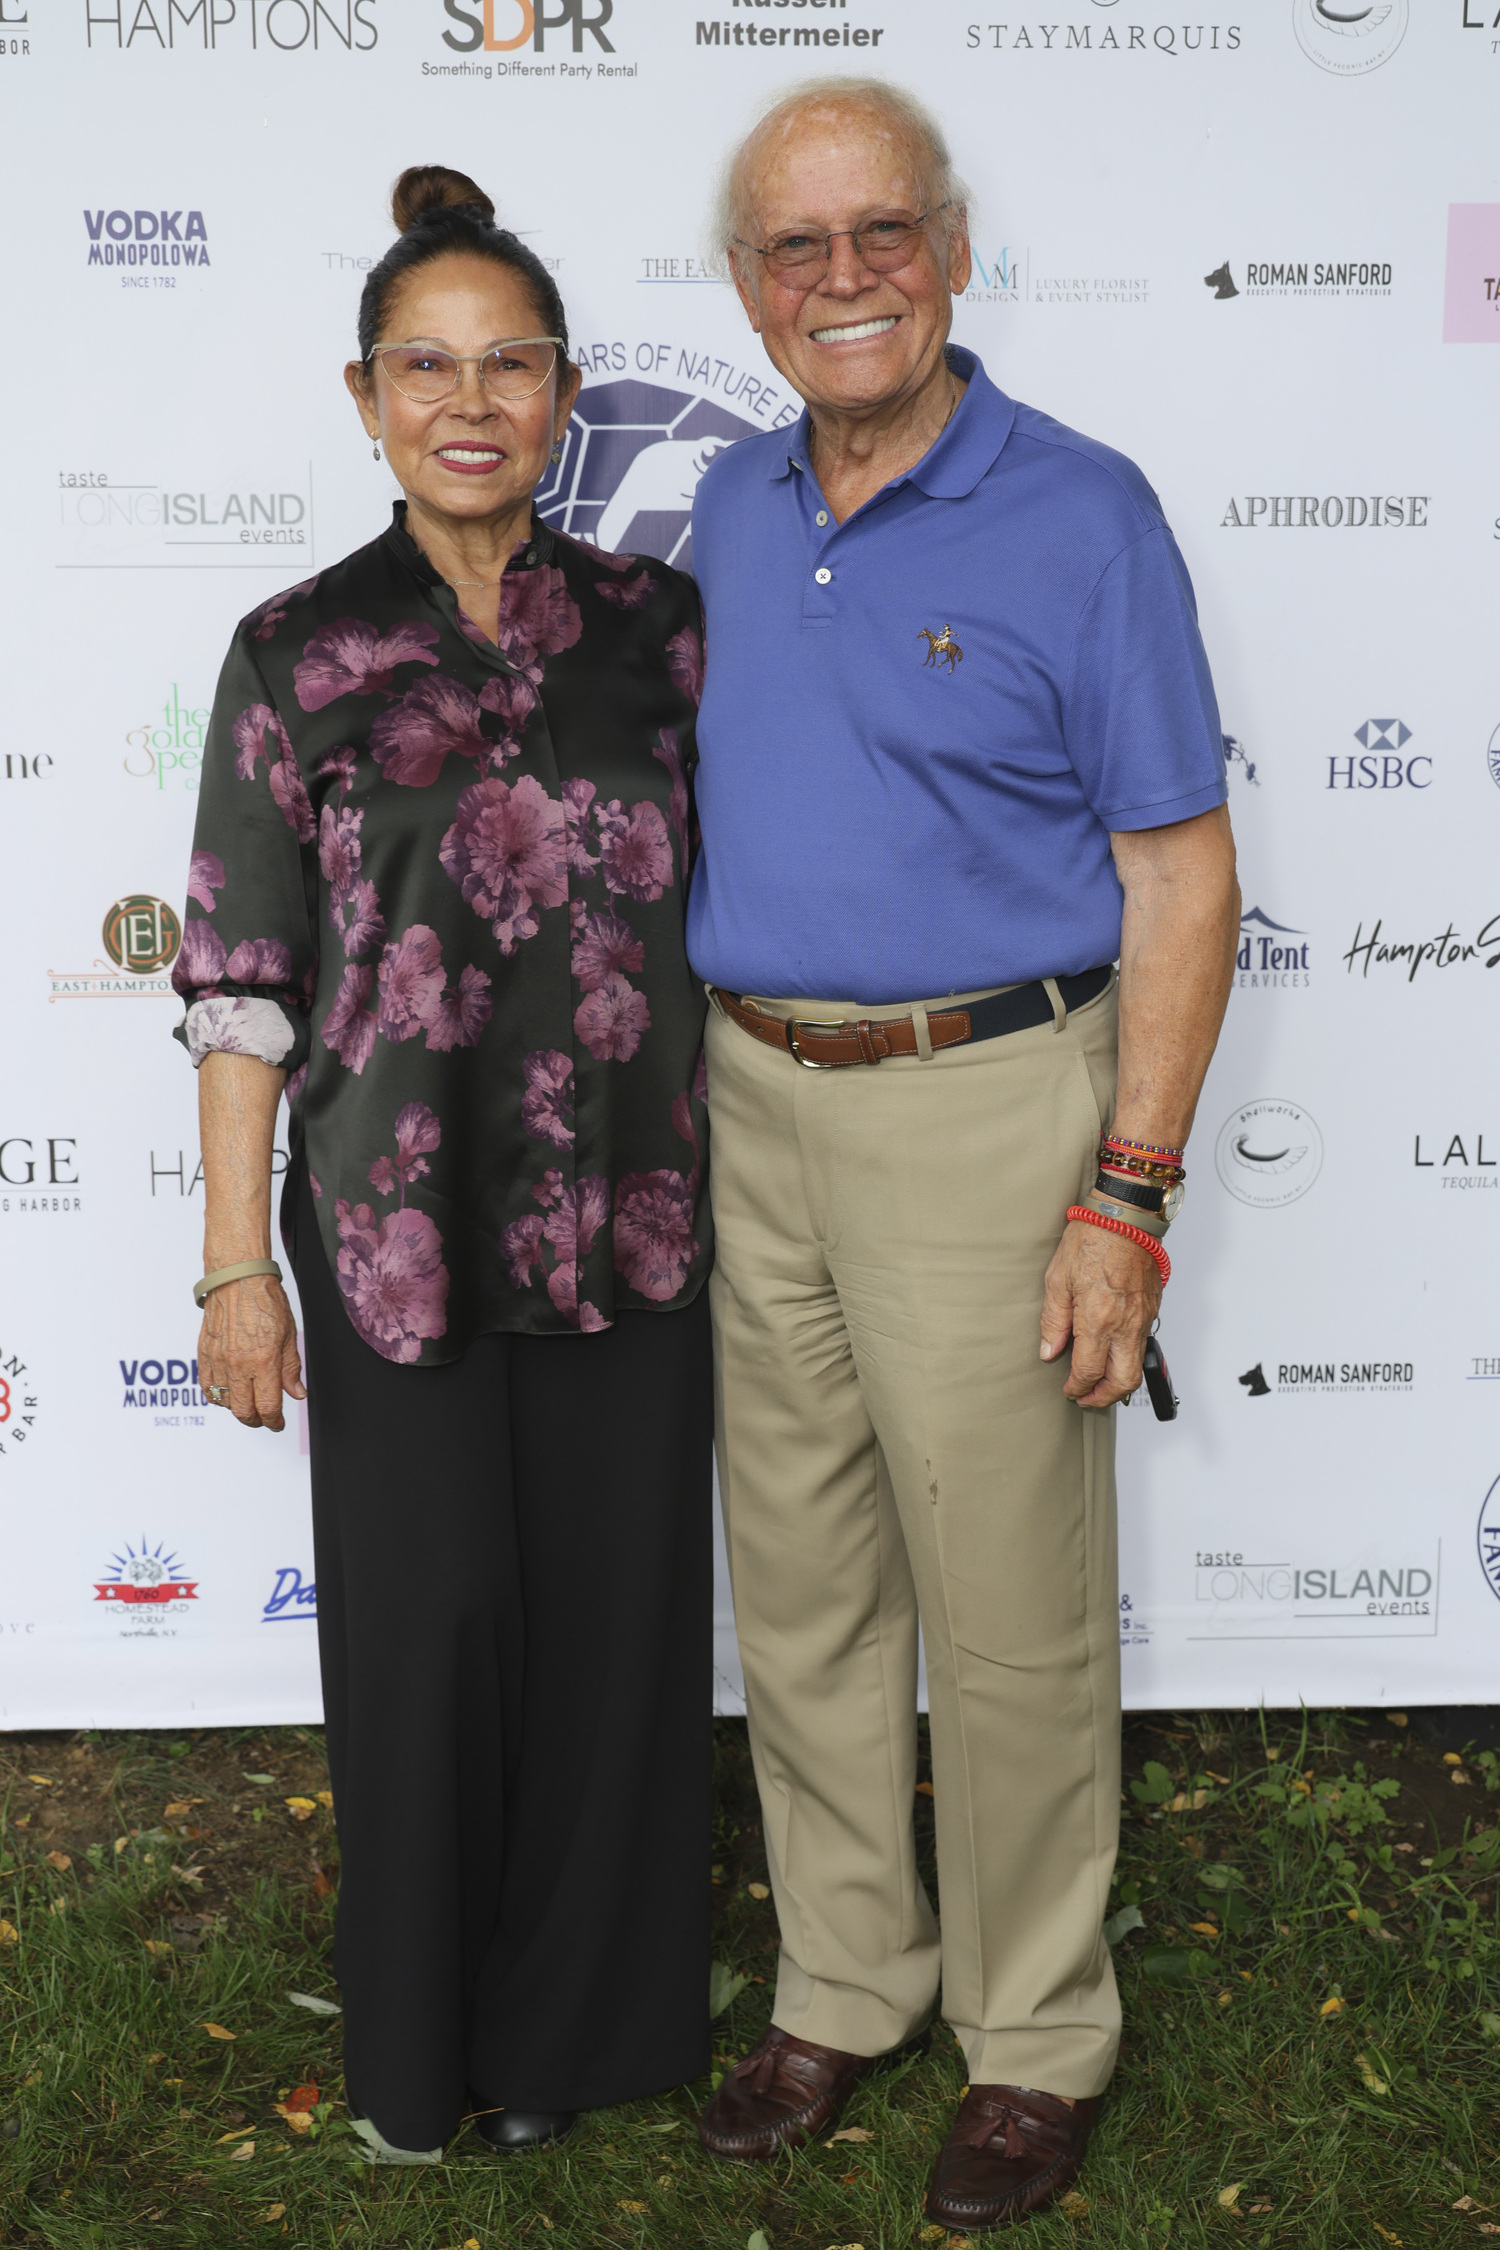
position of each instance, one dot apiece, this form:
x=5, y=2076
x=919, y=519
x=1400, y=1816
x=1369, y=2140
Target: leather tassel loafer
x=784, y=2093
x=508, y=2130
x=1010, y=2151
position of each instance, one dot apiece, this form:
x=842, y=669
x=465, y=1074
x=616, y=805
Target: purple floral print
x=578, y=796
x=293, y=1091
x=604, y=945
x=349, y=657
x=538, y=616
x=418, y=1133
x=654, y=1245
x=677, y=808
x=632, y=593
x=200, y=960
x=547, y=1104
x=349, y=1026
x=436, y=719
x=512, y=698
x=259, y=961
x=262, y=622
x=412, y=996
x=339, y=766
x=205, y=876
x=339, y=853
x=635, y=848
x=619, y=564
x=685, y=663
x=505, y=851
x=394, y=1282
x=353, y=908
x=612, y=1020
x=250, y=730
x=574, y=1216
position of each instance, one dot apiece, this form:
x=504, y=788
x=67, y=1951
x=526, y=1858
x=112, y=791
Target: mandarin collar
x=540, y=546
x=958, y=457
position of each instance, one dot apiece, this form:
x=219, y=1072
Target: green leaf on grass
x=724, y=1985
x=314, y=2005
x=1158, y=1788
x=1120, y=1925
x=1489, y=2024
x=1176, y=1964
x=759, y=2241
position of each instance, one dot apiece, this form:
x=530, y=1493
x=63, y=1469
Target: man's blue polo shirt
x=877, y=827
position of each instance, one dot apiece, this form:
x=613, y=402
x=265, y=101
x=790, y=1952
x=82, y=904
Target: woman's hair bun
x=426, y=188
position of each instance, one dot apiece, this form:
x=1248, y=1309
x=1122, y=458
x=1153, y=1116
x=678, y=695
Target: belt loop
x=715, y=1002
x=924, y=1036
x=1059, y=1010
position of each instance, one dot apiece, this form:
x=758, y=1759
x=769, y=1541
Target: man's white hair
x=891, y=102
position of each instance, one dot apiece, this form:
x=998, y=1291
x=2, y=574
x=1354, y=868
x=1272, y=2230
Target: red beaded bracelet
x=1133, y=1234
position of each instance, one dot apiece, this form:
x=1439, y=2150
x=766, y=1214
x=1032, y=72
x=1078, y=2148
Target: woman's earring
x=557, y=450
x=377, y=449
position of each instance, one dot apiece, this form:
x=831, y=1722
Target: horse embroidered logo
x=940, y=645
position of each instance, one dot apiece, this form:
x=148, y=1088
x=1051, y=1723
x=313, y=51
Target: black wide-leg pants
x=514, y=1616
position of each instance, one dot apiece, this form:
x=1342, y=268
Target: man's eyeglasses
x=511, y=370
x=884, y=245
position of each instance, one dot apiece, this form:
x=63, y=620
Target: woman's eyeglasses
x=884, y=245
x=512, y=370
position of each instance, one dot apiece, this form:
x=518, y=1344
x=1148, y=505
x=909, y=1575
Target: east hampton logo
x=18, y=1404
x=1268, y=1154
x=1349, y=37
x=1239, y=1596
x=180, y=521
x=141, y=935
x=1272, y=955
x=636, y=447
x=146, y=238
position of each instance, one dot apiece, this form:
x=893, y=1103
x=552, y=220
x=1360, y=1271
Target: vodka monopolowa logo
x=134, y=238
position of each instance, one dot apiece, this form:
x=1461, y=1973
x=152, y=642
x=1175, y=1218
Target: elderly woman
x=439, y=879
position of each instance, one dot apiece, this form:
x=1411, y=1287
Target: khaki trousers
x=891, y=1445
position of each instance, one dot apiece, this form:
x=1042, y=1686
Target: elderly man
x=960, y=754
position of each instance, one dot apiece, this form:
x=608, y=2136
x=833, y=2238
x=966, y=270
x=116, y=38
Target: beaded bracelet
x=1144, y=1148
x=1142, y=1167
x=1134, y=1234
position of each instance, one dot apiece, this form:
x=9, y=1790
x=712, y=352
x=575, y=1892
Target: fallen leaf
x=1467, y=2203
x=157, y=1945
x=1486, y=2228
x=1489, y=2024
x=851, y=2133
x=1121, y=1924
x=1229, y=2196
x=42, y=1780
x=1184, y=1803
x=1261, y=2207
x=925, y=1789
x=316, y=2006
x=241, y=2133
x=301, y=1808
x=1376, y=2084
x=217, y=2031
x=724, y=1985
x=271, y=2213
x=9, y=1934
x=1459, y=1775
x=1205, y=1929
x=156, y=2058
x=1273, y=1754
x=181, y=1807
x=1386, y=2237
x=1074, y=2204
x=267, y=1780
x=759, y=1890
x=302, y=2097
x=850, y=2179
x=1221, y=1778
x=59, y=1860
x=297, y=2120
x=760, y=2241
x=58, y=1906
x=1450, y=1758
x=243, y=2153
x=325, y=1799
x=321, y=1887
x=633, y=2206
x=1226, y=1999
x=929, y=2234
x=1331, y=2008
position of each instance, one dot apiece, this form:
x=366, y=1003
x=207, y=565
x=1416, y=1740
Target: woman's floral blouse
x=441, y=882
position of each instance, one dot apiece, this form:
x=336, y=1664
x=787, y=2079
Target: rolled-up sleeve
x=1139, y=713
x=248, y=964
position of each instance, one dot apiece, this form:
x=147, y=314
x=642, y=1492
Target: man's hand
x=249, y=1344
x=1104, y=1291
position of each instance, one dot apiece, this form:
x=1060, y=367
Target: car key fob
x=1158, y=1382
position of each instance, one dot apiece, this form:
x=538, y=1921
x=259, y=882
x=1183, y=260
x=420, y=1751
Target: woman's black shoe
x=511, y=2129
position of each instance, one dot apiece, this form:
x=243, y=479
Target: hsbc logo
x=1384, y=766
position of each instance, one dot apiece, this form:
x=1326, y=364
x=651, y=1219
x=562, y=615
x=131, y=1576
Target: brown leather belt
x=828, y=1046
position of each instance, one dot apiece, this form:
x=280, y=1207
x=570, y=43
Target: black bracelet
x=1130, y=1191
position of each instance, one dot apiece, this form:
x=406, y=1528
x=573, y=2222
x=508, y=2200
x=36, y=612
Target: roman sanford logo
x=634, y=451
x=1221, y=282
x=146, y=238
x=1268, y=1153
x=1329, y=1378
x=145, y=1574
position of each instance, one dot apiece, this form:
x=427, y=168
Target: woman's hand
x=248, y=1344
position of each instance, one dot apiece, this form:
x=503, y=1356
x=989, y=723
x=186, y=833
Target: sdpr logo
x=523, y=20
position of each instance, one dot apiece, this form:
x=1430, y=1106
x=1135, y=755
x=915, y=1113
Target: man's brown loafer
x=1010, y=2151
x=782, y=2095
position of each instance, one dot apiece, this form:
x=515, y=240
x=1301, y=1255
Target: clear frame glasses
x=427, y=373
x=883, y=244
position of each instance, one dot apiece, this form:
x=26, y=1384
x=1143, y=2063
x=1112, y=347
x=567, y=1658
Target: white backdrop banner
x=1257, y=251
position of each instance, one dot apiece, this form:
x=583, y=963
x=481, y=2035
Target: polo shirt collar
x=964, y=452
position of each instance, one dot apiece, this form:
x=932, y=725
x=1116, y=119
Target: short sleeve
x=1139, y=714
x=249, y=946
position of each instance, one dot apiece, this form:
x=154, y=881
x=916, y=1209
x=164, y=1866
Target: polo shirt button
x=821, y=518
x=823, y=576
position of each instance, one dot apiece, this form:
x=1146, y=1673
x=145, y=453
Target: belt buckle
x=805, y=1023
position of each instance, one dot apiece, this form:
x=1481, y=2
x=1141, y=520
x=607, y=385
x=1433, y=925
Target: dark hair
x=437, y=211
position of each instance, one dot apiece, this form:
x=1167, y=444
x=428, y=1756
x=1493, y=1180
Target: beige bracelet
x=232, y=1273
x=1149, y=1222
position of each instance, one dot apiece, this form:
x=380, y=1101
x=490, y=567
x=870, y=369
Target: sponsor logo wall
x=1281, y=350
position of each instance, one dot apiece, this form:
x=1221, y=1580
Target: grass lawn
x=1305, y=1932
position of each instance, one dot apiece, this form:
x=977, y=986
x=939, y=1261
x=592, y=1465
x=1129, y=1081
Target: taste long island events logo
x=180, y=521
x=1268, y=1153
x=141, y=935
x=1272, y=955
x=1349, y=37
x=149, y=1590
x=19, y=1404
x=637, y=445
x=1264, y=1593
